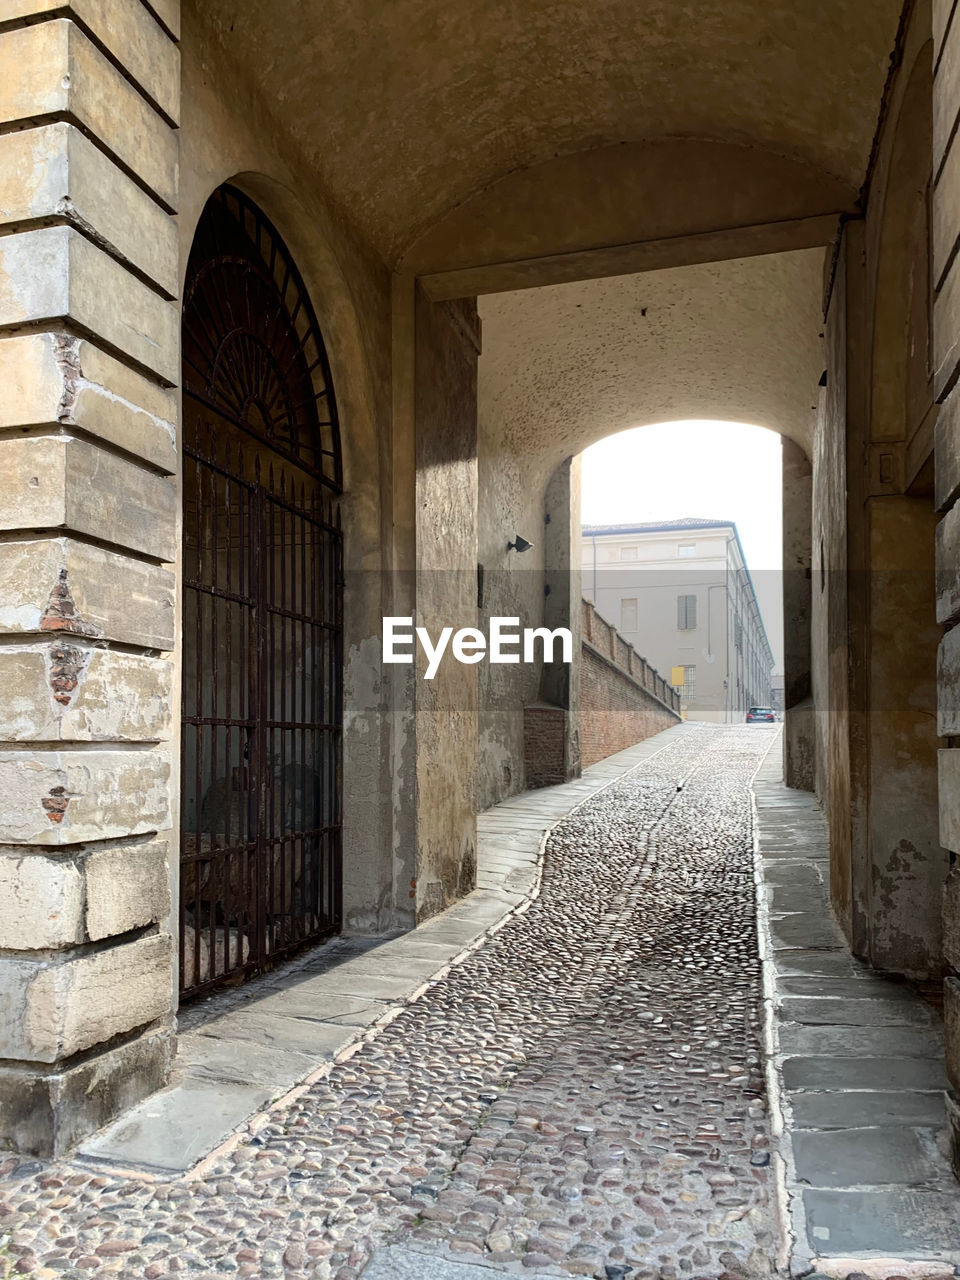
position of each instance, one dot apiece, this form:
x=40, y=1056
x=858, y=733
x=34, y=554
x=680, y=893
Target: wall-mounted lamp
x=519, y=545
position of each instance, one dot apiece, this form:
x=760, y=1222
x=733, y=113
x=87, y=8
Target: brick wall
x=622, y=698
x=543, y=745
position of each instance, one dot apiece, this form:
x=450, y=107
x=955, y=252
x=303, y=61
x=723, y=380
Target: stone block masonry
x=89, y=362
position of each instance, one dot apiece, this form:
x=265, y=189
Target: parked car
x=761, y=715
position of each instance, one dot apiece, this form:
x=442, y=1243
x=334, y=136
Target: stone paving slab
x=255, y=1026
x=298, y=1017
x=893, y=1155
x=306, y=1000
x=816, y=963
x=830, y=1072
x=861, y=985
x=877, y=1042
x=803, y=931
x=174, y=1128
x=398, y=1263
x=455, y=933
x=391, y=965
x=899, y=1224
x=871, y=1012
x=212, y=1058
x=875, y=1108
x=856, y=1059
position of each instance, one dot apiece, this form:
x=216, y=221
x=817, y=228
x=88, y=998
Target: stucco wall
x=875, y=626
x=446, y=499
x=829, y=603
x=511, y=501
x=798, y=733
x=224, y=137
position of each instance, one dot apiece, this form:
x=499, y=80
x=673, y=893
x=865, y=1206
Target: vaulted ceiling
x=427, y=119
x=566, y=365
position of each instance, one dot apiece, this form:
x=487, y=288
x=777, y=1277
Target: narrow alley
x=583, y=1095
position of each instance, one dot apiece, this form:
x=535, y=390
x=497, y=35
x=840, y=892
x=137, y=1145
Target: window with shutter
x=686, y=613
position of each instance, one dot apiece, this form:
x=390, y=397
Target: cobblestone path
x=582, y=1096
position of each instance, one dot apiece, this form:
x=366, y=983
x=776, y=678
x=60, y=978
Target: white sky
x=721, y=470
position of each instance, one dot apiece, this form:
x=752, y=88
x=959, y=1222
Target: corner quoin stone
x=54, y=172
x=68, y=691
x=948, y=768
x=54, y=482
x=64, y=797
x=951, y=919
x=948, y=566
x=54, y=273
x=132, y=35
x=54, y=902
x=951, y=1030
x=110, y=596
x=41, y=902
x=53, y=378
x=948, y=685
x=53, y=1009
x=128, y=886
x=46, y=1112
x=52, y=68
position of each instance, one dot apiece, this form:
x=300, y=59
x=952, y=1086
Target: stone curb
x=789, y=1254
x=798, y=1258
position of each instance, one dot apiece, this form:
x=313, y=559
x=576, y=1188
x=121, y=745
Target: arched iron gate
x=260, y=824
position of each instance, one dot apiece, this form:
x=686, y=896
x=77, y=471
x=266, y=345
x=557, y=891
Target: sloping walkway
x=562, y=1075
x=857, y=1060
x=242, y=1051
x=583, y=1094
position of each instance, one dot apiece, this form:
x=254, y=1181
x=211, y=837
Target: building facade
x=248, y=409
x=680, y=592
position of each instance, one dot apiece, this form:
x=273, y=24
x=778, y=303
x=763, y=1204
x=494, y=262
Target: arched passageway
x=565, y=366
x=262, y=631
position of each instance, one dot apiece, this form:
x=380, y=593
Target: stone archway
x=262, y=623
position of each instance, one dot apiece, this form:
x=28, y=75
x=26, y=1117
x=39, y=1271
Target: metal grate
x=260, y=831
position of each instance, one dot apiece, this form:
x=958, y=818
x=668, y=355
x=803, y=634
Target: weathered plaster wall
x=946, y=368
x=798, y=733
x=511, y=501
x=563, y=598
x=540, y=587
x=448, y=98
x=567, y=365
x=350, y=290
x=898, y=866
x=829, y=603
x=447, y=346
x=907, y=865
x=874, y=670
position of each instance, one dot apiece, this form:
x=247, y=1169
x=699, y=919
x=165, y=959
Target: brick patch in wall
x=543, y=743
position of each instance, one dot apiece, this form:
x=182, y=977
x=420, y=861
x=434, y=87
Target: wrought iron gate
x=262, y=613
